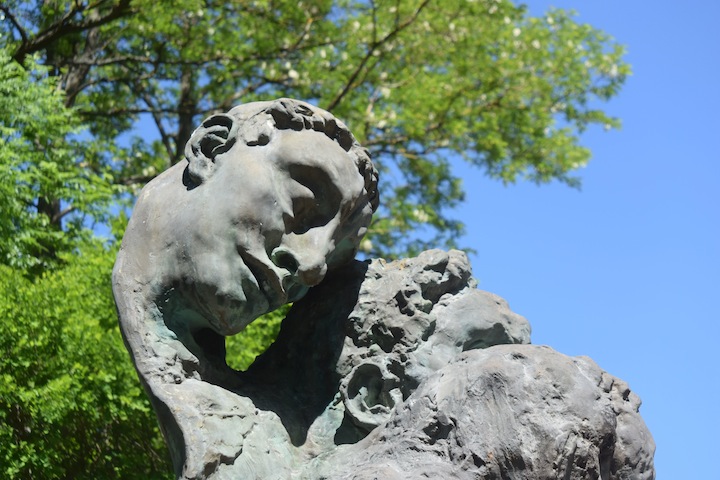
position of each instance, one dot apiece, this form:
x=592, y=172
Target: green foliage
x=418, y=81
x=45, y=181
x=70, y=402
x=254, y=340
x=507, y=92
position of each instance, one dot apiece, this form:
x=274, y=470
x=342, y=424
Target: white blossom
x=366, y=245
x=420, y=216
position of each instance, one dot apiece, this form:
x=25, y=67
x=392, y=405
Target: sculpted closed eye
x=315, y=197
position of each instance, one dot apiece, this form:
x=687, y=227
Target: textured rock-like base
x=512, y=412
x=392, y=370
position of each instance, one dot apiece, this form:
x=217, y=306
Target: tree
x=47, y=190
x=70, y=402
x=419, y=82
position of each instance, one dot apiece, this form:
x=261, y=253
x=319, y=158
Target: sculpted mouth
x=268, y=281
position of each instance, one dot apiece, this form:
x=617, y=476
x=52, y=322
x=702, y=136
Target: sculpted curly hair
x=255, y=124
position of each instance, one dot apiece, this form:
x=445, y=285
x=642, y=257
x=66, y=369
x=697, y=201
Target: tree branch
x=124, y=111
x=62, y=27
x=58, y=216
x=23, y=35
x=165, y=138
x=136, y=180
x=374, y=46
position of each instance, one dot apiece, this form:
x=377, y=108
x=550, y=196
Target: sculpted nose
x=309, y=268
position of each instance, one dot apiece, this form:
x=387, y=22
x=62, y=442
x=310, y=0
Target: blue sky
x=627, y=270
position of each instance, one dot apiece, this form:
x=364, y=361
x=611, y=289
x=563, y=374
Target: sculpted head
x=274, y=195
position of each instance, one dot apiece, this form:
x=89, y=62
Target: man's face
x=277, y=217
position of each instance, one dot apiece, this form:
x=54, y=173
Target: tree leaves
x=102, y=96
x=70, y=402
x=420, y=82
x=47, y=189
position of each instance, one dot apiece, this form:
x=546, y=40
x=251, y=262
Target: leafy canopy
x=97, y=97
x=47, y=189
x=70, y=402
x=420, y=82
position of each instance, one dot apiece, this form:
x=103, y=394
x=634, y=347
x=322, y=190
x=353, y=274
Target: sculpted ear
x=216, y=135
x=370, y=394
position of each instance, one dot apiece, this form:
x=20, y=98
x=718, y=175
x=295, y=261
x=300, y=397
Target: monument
x=387, y=370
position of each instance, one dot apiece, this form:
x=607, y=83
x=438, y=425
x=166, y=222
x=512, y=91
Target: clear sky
x=627, y=270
